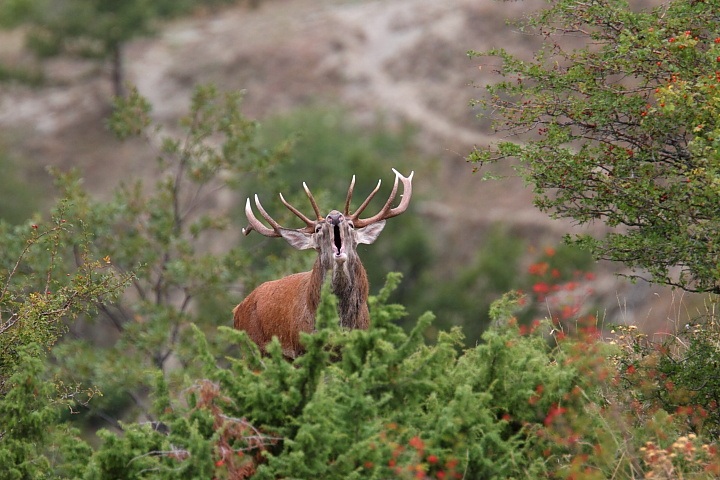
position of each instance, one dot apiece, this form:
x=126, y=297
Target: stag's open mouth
x=338, y=247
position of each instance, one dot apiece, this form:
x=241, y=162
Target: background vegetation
x=116, y=362
x=89, y=28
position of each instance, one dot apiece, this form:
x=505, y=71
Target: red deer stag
x=286, y=307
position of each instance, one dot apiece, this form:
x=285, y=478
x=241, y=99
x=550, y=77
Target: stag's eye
x=350, y=224
x=318, y=228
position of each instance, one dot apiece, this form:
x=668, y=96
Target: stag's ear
x=296, y=239
x=369, y=234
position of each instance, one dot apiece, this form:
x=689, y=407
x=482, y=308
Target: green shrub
x=677, y=373
x=32, y=444
x=40, y=291
x=377, y=404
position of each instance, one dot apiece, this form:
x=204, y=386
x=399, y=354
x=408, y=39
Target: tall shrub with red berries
x=617, y=120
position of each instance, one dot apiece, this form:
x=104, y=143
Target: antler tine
x=312, y=201
x=310, y=223
x=349, y=197
x=256, y=224
x=387, y=212
x=360, y=209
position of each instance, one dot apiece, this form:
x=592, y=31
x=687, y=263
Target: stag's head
x=335, y=236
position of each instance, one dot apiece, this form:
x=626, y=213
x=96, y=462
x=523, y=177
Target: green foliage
x=165, y=234
x=92, y=27
x=677, y=373
x=39, y=293
x=617, y=117
x=465, y=298
x=31, y=445
x=322, y=135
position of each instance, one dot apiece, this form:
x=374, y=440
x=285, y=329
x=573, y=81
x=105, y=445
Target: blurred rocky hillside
x=403, y=59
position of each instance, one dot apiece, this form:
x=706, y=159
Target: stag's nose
x=335, y=218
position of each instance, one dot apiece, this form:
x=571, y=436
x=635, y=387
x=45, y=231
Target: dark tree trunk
x=118, y=75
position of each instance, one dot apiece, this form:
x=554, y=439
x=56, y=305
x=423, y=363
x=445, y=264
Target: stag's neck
x=350, y=285
x=317, y=278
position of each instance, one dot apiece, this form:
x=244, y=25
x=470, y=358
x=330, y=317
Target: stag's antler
x=257, y=225
x=386, y=212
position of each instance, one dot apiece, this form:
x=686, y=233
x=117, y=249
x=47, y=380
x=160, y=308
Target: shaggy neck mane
x=350, y=285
